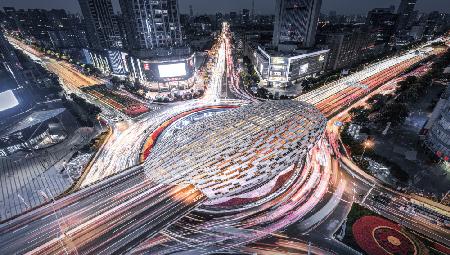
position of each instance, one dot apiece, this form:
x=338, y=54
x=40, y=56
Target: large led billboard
x=172, y=70
x=7, y=100
x=304, y=68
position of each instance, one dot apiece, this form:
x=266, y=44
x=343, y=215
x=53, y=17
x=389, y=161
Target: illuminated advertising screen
x=304, y=68
x=279, y=61
x=278, y=67
x=7, y=100
x=277, y=79
x=172, y=70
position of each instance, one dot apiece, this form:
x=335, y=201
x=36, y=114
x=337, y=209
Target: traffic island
x=370, y=233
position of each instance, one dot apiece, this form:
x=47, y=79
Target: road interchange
x=124, y=149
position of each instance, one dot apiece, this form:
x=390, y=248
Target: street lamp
x=367, y=144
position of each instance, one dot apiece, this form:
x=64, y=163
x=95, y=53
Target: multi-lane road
x=233, y=81
x=93, y=219
x=368, y=187
x=336, y=98
x=71, y=79
x=112, y=216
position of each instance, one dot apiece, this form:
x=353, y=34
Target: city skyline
x=346, y=7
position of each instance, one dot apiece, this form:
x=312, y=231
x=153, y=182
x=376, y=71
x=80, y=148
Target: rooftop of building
x=163, y=53
x=341, y=28
x=290, y=51
x=33, y=119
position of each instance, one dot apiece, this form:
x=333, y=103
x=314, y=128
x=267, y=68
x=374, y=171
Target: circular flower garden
x=378, y=236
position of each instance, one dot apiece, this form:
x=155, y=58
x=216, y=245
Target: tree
x=410, y=79
x=115, y=81
x=359, y=114
x=377, y=102
x=404, y=85
x=395, y=113
x=262, y=92
x=399, y=174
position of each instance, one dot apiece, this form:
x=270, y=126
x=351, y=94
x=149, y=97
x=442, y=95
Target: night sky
x=261, y=6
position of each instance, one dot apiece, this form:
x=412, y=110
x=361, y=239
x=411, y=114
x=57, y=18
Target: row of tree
x=334, y=75
x=394, y=108
x=381, y=109
x=88, y=69
x=85, y=112
x=248, y=75
x=357, y=149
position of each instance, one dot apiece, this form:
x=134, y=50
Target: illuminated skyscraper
x=245, y=15
x=103, y=32
x=405, y=12
x=152, y=24
x=296, y=22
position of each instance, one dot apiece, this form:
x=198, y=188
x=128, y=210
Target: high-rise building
x=405, y=12
x=436, y=23
x=101, y=25
x=245, y=15
x=348, y=44
x=382, y=22
x=10, y=19
x=155, y=42
x=47, y=28
x=152, y=24
x=219, y=18
x=296, y=22
x=233, y=17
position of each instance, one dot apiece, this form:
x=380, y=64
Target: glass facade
x=152, y=24
x=296, y=21
x=101, y=25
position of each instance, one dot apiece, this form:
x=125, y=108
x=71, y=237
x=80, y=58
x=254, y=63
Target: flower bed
x=378, y=236
x=372, y=234
x=117, y=100
x=136, y=110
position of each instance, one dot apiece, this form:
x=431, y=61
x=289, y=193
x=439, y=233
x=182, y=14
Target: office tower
x=191, y=11
x=436, y=23
x=381, y=22
x=233, y=17
x=347, y=44
x=405, y=12
x=152, y=24
x=245, y=15
x=101, y=26
x=296, y=22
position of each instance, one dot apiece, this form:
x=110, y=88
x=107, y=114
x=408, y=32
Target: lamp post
x=367, y=144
